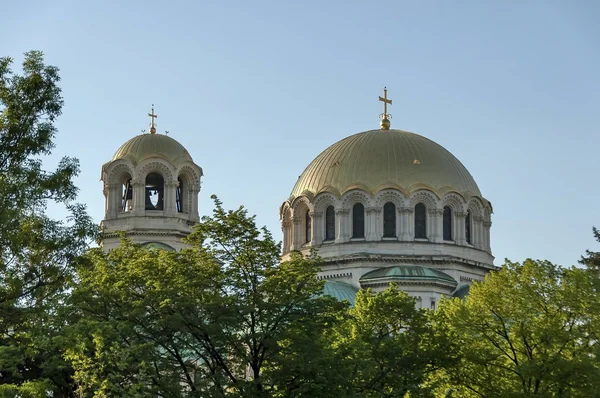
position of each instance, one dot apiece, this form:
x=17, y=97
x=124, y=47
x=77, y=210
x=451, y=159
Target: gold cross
x=385, y=101
x=152, y=117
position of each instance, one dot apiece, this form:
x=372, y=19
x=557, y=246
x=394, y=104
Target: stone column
x=193, y=205
x=286, y=229
x=459, y=228
x=138, y=201
x=296, y=233
x=487, y=225
x=316, y=228
x=341, y=218
x=435, y=233
x=406, y=232
x=373, y=217
x=170, y=205
x=479, y=233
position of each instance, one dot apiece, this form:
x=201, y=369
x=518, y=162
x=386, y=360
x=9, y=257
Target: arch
x=155, y=191
x=420, y=221
x=117, y=169
x=323, y=201
x=389, y=195
x=300, y=205
x=358, y=221
x=330, y=223
x=428, y=198
x=351, y=198
x=476, y=206
x=468, y=227
x=447, y=223
x=455, y=201
x=155, y=166
x=389, y=220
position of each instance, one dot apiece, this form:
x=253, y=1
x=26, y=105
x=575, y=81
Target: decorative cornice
x=315, y=214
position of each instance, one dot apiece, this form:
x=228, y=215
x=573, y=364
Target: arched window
x=330, y=223
x=358, y=221
x=420, y=221
x=307, y=227
x=155, y=191
x=179, y=196
x=468, y=227
x=447, y=223
x=389, y=220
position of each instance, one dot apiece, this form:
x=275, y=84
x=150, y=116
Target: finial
x=152, y=117
x=385, y=117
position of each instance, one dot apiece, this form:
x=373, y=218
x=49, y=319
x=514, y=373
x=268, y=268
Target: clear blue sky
x=255, y=90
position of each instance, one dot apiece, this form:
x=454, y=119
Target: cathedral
x=381, y=206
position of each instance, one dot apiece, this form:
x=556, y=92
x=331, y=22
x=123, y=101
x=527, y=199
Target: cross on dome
x=385, y=117
x=152, y=117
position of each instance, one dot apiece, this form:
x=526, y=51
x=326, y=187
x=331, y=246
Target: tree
x=388, y=345
x=592, y=259
x=36, y=252
x=222, y=318
x=529, y=329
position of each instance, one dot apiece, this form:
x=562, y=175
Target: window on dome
x=447, y=224
x=468, y=227
x=420, y=221
x=179, y=196
x=307, y=227
x=155, y=191
x=330, y=223
x=358, y=221
x=389, y=220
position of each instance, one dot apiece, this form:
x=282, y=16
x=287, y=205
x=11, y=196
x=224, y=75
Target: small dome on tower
x=152, y=145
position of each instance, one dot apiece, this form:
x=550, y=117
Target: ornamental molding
x=286, y=224
x=456, y=202
x=118, y=171
x=335, y=276
x=354, y=197
x=342, y=212
x=297, y=220
x=155, y=167
x=315, y=214
x=425, y=197
x=323, y=201
x=389, y=195
x=191, y=174
x=373, y=210
x=406, y=210
x=436, y=212
x=487, y=224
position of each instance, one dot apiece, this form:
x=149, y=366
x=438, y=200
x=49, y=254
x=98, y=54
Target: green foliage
x=222, y=318
x=530, y=329
x=388, y=345
x=36, y=252
x=592, y=259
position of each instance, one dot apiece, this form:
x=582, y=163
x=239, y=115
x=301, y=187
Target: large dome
x=148, y=145
x=378, y=159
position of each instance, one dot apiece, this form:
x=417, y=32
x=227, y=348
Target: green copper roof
x=341, y=291
x=377, y=159
x=407, y=272
x=149, y=145
x=462, y=292
x=158, y=245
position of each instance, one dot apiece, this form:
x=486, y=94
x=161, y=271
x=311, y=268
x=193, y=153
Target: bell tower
x=151, y=188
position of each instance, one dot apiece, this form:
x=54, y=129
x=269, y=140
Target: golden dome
x=378, y=159
x=152, y=145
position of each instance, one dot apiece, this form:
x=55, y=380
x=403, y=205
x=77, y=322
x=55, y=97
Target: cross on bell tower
x=152, y=117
